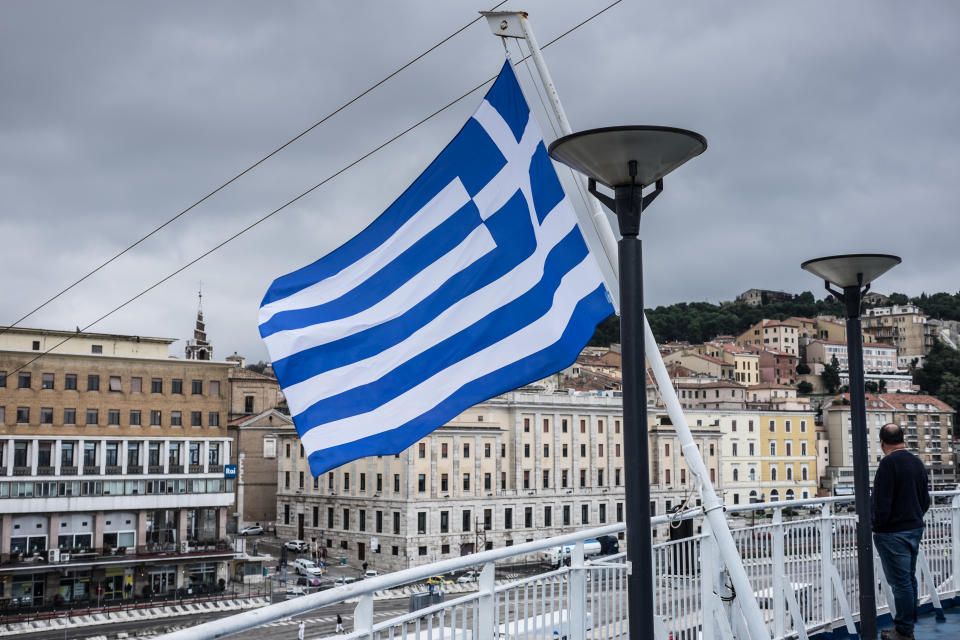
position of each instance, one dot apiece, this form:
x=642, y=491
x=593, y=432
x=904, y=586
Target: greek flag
x=473, y=282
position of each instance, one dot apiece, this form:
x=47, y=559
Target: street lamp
x=853, y=273
x=627, y=159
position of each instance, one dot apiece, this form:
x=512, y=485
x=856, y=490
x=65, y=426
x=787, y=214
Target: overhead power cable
x=245, y=171
x=303, y=194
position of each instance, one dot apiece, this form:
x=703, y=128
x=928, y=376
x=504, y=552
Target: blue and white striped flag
x=473, y=282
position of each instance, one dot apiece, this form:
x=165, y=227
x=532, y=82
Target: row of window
x=92, y=417
x=110, y=452
x=467, y=523
x=774, y=472
x=667, y=478
x=114, y=383
x=772, y=425
x=564, y=427
x=751, y=448
x=70, y=488
x=564, y=450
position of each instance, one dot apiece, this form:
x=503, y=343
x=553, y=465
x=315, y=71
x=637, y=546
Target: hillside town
x=130, y=472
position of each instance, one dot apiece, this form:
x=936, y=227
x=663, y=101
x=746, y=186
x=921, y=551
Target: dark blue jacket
x=900, y=496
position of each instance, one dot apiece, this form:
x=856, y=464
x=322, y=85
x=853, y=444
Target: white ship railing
x=800, y=556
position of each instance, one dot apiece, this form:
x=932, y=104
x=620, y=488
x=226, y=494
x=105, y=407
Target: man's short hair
x=891, y=433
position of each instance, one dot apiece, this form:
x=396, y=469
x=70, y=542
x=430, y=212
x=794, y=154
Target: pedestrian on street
x=300, y=631
x=900, y=498
x=339, y=624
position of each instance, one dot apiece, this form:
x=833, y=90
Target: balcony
x=68, y=471
x=113, y=470
x=22, y=471
x=91, y=470
x=134, y=469
x=3, y=471
x=155, y=469
x=196, y=468
x=175, y=468
x=215, y=468
x=45, y=471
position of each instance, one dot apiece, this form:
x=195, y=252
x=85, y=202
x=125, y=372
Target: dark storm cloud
x=832, y=129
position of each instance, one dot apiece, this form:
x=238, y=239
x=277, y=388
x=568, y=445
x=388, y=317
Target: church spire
x=199, y=348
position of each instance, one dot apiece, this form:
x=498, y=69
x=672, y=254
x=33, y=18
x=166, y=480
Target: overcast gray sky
x=833, y=128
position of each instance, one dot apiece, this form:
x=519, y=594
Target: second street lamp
x=853, y=273
x=627, y=159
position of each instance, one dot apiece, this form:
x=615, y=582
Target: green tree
x=831, y=375
x=871, y=387
x=950, y=393
x=804, y=387
x=803, y=368
x=940, y=361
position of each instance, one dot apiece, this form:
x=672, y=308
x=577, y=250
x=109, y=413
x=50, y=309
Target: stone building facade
x=112, y=467
x=521, y=466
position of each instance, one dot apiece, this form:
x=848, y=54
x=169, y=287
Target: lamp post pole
x=861, y=464
x=629, y=206
x=853, y=273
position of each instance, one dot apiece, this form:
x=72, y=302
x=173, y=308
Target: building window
x=396, y=523
x=546, y=425
x=379, y=482
x=96, y=348
x=213, y=419
x=93, y=382
x=421, y=483
x=583, y=451
x=526, y=478
x=215, y=388
x=196, y=387
x=396, y=483
x=363, y=481
x=422, y=450
x=443, y=449
x=155, y=418
x=113, y=417
x=156, y=385
x=23, y=380
x=773, y=448
x=248, y=404
x=176, y=386
x=46, y=415
x=444, y=522
x=773, y=426
x=563, y=425
x=93, y=416
x=616, y=477
x=46, y=381
x=486, y=450
x=346, y=482
x=546, y=479
x=603, y=511
x=3, y=379
x=115, y=384
x=196, y=419
x=69, y=416
x=487, y=482
x=599, y=450
x=176, y=418
x=583, y=478
x=526, y=425
x=547, y=517
x=286, y=513
x=136, y=385
x=508, y=518
x=466, y=482
x=286, y=479
x=466, y=449
x=566, y=515
x=750, y=425
x=69, y=381
x=526, y=450
x=546, y=451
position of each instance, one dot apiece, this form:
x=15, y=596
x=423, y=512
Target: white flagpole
x=515, y=25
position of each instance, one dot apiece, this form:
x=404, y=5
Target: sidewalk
x=57, y=622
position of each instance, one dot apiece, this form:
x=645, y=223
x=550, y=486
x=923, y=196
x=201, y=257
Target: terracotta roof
x=901, y=400
x=708, y=358
x=249, y=374
x=779, y=323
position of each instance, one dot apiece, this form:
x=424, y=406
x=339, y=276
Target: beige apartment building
x=522, y=466
x=773, y=334
x=746, y=365
x=928, y=427
x=114, y=475
x=900, y=326
x=766, y=455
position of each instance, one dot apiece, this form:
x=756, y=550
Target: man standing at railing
x=900, y=498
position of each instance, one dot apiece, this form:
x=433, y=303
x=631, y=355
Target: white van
x=307, y=567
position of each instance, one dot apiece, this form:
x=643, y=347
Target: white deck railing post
x=363, y=615
x=780, y=577
x=955, y=544
x=826, y=560
x=578, y=594
x=486, y=603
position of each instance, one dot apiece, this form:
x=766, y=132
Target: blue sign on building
x=229, y=471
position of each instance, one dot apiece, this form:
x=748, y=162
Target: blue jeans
x=898, y=555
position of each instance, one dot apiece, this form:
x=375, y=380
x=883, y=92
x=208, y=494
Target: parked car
x=371, y=573
x=342, y=580
x=296, y=545
x=438, y=580
x=308, y=581
x=307, y=567
x=295, y=592
x=255, y=530
x=469, y=576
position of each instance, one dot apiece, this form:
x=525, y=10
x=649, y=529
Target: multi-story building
x=112, y=467
x=518, y=467
x=746, y=364
x=707, y=393
x=775, y=366
x=255, y=440
x=758, y=297
x=766, y=455
x=702, y=364
x=901, y=326
x=928, y=429
x=773, y=334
